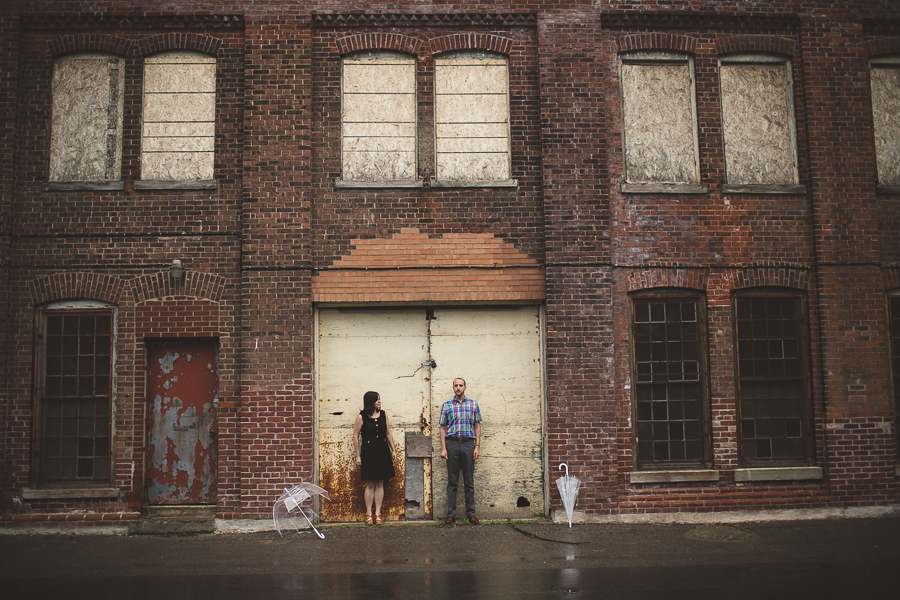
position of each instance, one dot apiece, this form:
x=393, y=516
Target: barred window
x=670, y=382
x=772, y=395
x=74, y=395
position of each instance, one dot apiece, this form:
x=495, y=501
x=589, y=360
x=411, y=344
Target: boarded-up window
x=74, y=392
x=471, y=106
x=659, y=124
x=669, y=380
x=86, y=132
x=885, y=75
x=773, y=378
x=179, y=117
x=378, y=117
x=758, y=120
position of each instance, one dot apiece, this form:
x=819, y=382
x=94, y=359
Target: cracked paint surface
x=182, y=449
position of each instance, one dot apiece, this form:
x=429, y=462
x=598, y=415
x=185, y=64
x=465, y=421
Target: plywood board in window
x=658, y=123
x=86, y=131
x=757, y=123
x=886, y=116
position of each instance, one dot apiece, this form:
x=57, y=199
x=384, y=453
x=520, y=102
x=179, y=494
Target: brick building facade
x=662, y=244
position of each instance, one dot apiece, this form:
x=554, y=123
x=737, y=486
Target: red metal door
x=182, y=385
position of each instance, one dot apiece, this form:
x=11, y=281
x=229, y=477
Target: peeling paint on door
x=182, y=385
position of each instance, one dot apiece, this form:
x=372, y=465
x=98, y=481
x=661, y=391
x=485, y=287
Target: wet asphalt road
x=855, y=558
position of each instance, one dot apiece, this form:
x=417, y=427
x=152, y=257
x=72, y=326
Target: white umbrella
x=568, y=491
x=290, y=505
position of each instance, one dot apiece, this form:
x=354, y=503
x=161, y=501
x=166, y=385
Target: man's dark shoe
x=450, y=520
x=474, y=520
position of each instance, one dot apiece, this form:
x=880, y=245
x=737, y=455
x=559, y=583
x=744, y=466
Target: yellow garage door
x=410, y=357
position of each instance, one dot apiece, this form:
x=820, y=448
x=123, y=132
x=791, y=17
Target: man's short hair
x=460, y=379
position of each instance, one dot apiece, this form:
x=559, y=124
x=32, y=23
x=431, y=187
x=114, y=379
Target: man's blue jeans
x=460, y=457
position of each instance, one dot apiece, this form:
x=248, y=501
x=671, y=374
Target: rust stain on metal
x=339, y=474
x=182, y=451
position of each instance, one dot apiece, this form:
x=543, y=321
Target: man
x=460, y=441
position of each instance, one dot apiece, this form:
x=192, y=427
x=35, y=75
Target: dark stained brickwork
x=276, y=231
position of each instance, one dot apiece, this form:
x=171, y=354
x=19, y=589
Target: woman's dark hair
x=369, y=401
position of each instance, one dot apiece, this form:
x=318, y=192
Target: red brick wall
x=277, y=236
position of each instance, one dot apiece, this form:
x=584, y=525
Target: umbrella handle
x=321, y=536
x=561, y=465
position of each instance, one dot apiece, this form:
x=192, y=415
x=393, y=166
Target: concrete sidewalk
x=436, y=547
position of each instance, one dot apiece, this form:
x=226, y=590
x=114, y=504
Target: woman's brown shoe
x=378, y=520
x=368, y=519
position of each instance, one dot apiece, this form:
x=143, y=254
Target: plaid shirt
x=460, y=417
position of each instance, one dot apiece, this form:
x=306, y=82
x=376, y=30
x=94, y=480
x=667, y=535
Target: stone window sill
x=778, y=474
x=500, y=183
x=86, y=186
x=198, y=184
x=663, y=188
x=674, y=476
x=69, y=493
x=763, y=189
x=341, y=184
x=888, y=190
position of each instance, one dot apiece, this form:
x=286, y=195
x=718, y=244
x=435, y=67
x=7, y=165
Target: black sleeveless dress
x=374, y=451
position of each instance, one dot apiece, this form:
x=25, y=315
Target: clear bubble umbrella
x=568, y=491
x=295, y=503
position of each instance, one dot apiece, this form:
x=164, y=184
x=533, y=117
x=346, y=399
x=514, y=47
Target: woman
x=375, y=455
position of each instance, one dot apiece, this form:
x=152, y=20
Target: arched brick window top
x=882, y=46
x=69, y=44
x=179, y=41
x=471, y=41
x=378, y=41
x=755, y=43
x=67, y=286
x=637, y=280
x=656, y=41
x=793, y=279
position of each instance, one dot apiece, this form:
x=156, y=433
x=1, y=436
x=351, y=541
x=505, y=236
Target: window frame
x=671, y=295
x=654, y=58
x=882, y=62
x=41, y=398
x=113, y=176
x=764, y=59
x=801, y=304
x=439, y=181
x=346, y=182
x=149, y=183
